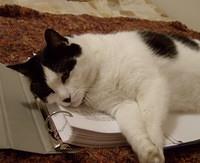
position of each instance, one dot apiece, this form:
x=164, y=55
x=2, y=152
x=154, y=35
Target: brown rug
x=21, y=33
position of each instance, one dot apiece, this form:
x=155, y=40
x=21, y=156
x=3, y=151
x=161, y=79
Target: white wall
x=186, y=11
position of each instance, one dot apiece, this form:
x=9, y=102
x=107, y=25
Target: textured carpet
x=21, y=33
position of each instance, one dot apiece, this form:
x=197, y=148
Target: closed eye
x=64, y=77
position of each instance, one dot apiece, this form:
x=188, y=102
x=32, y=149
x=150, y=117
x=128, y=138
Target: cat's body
x=134, y=76
x=121, y=68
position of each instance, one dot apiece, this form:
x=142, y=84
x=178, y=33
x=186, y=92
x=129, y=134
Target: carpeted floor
x=21, y=33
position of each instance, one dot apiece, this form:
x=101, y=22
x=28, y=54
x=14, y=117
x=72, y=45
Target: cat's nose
x=68, y=100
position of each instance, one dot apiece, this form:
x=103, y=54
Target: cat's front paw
x=151, y=155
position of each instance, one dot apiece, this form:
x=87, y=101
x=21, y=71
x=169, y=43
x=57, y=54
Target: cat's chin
x=64, y=104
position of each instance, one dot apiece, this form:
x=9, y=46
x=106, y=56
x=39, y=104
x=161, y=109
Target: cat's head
x=50, y=72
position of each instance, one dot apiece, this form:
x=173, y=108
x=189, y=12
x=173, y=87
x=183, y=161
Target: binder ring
x=54, y=113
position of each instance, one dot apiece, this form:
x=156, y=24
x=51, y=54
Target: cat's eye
x=64, y=77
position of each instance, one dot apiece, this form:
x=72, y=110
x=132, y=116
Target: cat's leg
x=153, y=102
x=128, y=116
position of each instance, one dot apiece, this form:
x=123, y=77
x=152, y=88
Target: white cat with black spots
x=137, y=77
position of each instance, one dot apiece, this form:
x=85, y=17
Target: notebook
x=30, y=125
x=85, y=127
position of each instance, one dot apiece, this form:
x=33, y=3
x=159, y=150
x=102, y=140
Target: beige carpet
x=102, y=8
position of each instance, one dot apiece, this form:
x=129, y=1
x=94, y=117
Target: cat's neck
x=90, y=60
x=91, y=44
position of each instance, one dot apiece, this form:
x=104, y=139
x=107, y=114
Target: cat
x=135, y=76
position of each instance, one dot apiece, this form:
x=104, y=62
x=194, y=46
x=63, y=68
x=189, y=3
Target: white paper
x=85, y=118
x=182, y=128
x=179, y=128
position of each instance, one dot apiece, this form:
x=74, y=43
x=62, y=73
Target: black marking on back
x=186, y=41
x=161, y=44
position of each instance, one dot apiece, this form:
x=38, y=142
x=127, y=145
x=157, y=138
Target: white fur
x=118, y=74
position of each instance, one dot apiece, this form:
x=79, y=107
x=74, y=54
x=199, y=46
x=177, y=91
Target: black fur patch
x=58, y=55
x=186, y=41
x=59, y=59
x=34, y=71
x=41, y=89
x=161, y=44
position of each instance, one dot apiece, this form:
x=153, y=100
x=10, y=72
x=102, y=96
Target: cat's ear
x=21, y=67
x=53, y=38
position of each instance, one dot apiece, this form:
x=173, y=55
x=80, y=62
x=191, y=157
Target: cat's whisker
x=88, y=101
